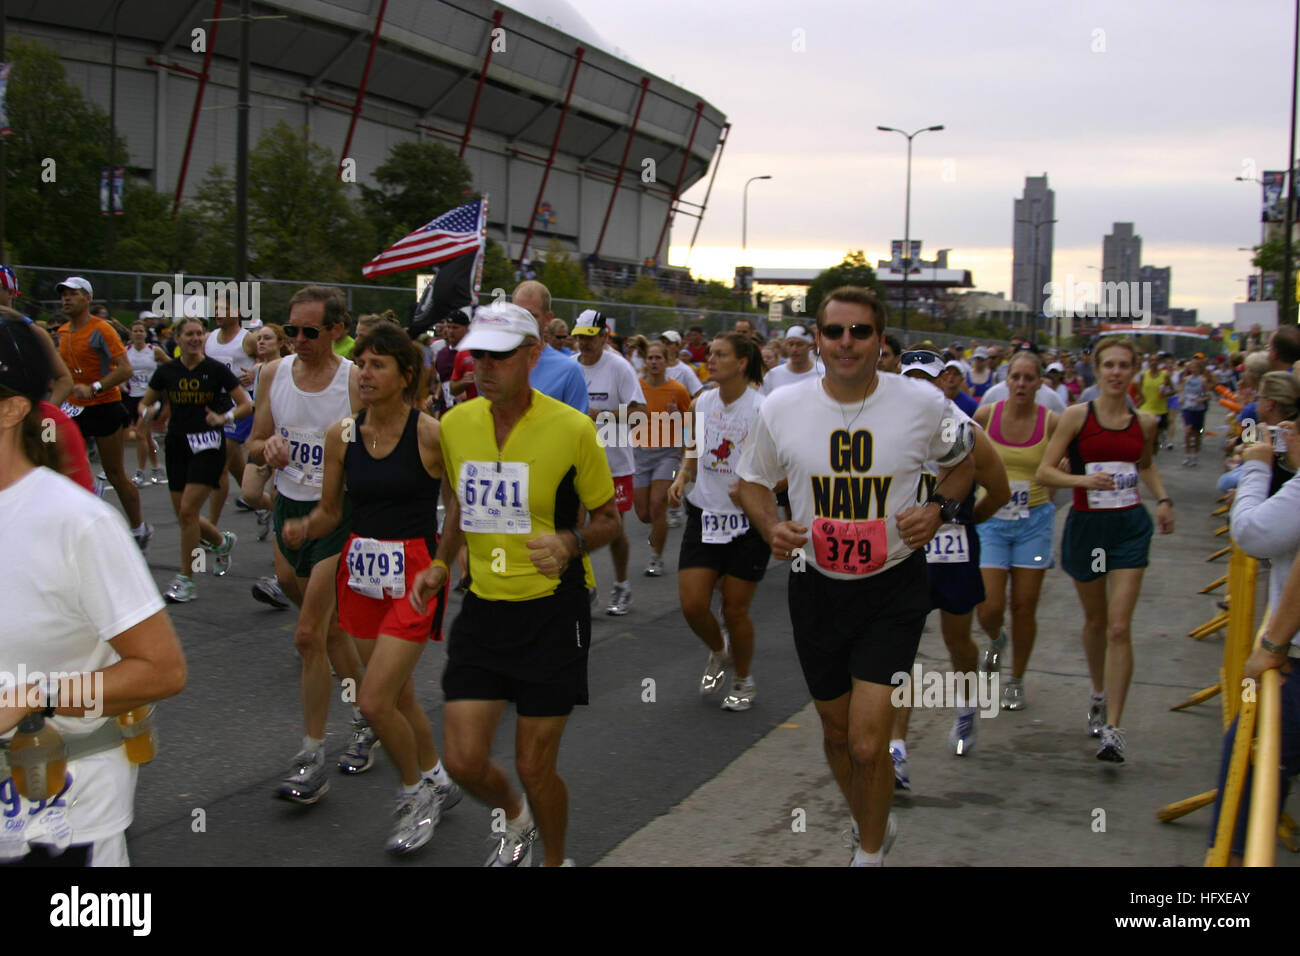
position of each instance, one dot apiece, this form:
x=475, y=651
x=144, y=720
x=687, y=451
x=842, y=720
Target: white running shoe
x=742, y=695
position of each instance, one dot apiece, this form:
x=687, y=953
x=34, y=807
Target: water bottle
x=138, y=734
x=38, y=759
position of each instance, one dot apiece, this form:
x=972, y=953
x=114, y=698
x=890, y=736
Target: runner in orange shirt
x=658, y=450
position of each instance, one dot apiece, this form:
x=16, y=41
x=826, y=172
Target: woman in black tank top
x=391, y=459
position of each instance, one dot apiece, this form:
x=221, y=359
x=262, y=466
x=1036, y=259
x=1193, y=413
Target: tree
x=563, y=276
x=720, y=296
x=852, y=271
x=52, y=164
x=644, y=291
x=498, y=272
x=301, y=223
x=417, y=182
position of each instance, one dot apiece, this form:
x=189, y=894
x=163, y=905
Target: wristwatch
x=1282, y=649
x=97, y=387
x=947, y=506
x=582, y=544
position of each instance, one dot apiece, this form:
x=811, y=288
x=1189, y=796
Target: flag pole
x=482, y=249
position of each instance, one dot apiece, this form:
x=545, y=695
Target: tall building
x=1032, y=243
x=1159, y=279
x=1121, y=254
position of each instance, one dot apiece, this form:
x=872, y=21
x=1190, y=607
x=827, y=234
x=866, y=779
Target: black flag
x=451, y=289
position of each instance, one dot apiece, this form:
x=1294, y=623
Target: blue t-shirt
x=560, y=378
x=1249, y=414
x=966, y=404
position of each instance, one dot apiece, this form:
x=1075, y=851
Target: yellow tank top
x=1022, y=461
x=1152, y=401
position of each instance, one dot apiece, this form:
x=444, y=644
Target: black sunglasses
x=919, y=357
x=860, y=331
x=479, y=354
x=310, y=331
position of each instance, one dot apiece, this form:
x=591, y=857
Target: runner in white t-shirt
x=236, y=349
x=799, y=364
x=678, y=370
x=613, y=394
x=78, y=600
x=853, y=446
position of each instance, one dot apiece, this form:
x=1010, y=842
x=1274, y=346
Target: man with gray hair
x=554, y=374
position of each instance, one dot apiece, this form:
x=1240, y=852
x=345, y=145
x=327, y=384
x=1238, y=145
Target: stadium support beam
x=681, y=174
x=365, y=79
x=198, y=105
x=622, y=164
x=578, y=54
x=478, y=90
x=717, y=161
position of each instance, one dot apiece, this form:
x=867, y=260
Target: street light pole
x=744, y=216
x=112, y=167
x=907, y=209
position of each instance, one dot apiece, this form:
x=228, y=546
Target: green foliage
x=53, y=223
x=644, y=292
x=720, y=296
x=852, y=271
x=562, y=274
x=416, y=182
x=498, y=271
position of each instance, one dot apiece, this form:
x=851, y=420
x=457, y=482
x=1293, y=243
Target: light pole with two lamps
x=907, y=209
x=744, y=232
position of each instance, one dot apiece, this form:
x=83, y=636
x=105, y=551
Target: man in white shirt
x=853, y=446
x=612, y=392
x=676, y=369
x=799, y=365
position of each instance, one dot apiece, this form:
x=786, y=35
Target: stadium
x=570, y=140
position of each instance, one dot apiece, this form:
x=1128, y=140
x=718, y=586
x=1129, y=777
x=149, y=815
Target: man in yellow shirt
x=520, y=463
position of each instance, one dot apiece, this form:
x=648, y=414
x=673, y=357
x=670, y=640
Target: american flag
x=450, y=235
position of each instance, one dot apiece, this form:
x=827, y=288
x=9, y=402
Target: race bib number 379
x=849, y=547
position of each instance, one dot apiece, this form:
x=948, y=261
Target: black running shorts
x=744, y=558
x=531, y=652
x=868, y=628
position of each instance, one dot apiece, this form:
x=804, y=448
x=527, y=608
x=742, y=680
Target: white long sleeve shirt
x=1267, y=527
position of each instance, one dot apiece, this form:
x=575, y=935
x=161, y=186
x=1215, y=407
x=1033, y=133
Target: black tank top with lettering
x=393, y=498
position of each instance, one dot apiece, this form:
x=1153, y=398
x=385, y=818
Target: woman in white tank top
x=718, y=541
x=145, y=358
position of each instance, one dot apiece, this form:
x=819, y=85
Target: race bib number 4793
x=850, y=547
x=494, y=497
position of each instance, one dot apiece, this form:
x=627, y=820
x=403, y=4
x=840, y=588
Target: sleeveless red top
x=1095, y=443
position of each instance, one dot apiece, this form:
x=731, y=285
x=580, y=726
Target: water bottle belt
x=108, y=736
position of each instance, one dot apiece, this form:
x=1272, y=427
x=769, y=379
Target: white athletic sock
x=621, y=584
x=438, y=775
x=312, y=744
x=524, y=819
x=862, y=858
x=356, y=712
x=408, y=790
x=900, y=745
x=138, y=531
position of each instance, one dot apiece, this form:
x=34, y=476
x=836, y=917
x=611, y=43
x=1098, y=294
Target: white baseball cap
x=76, y=282
x=499, y=327
x=671, y=335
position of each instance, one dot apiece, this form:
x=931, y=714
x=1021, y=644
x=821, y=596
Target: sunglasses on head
x=310, y=331
x=918, y=357
x=478, y=354
x=860, y=331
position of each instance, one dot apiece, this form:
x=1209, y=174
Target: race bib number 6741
x=494, y=497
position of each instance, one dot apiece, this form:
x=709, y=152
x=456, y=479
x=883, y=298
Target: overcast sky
x=1141, y=111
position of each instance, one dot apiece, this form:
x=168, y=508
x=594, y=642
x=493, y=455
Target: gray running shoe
x=307, y=782
x=415, y=818
x=1013, y=694
x=962, y=736
x=714, y=670
x=742, y=695
x=901, y=779
x=655, y=567
x=267, y=590
x=139, y=479
x=263, y=524
x=891, y=834
x=1112, y=745
x=182, y=590
x=221, y=553
x=1096, y=716
x=360, y=755
x=144, y=538
x=514, y=847
x=991, y=659
x=674, y=517
x=619, y=599
x=159, y=476
x=450, y=794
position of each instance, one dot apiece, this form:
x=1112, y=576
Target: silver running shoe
x=182, y=590
x=1013, y=694
x=1112, y=745
x=742, y=695
x=714, y=670
x=674, y=517
x=267, y=590
x=450, y=794
x=962, y=736
x=263, y=524
x=159, y=475
x=514, y=847
x=360, y=755
x=1096, y=716
x=139, y=479
x=619, y=599
x=307, y=782
x=991, y=659
x=144, y=538
x=655, y=567
x=415, y=818
x=221, y=553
